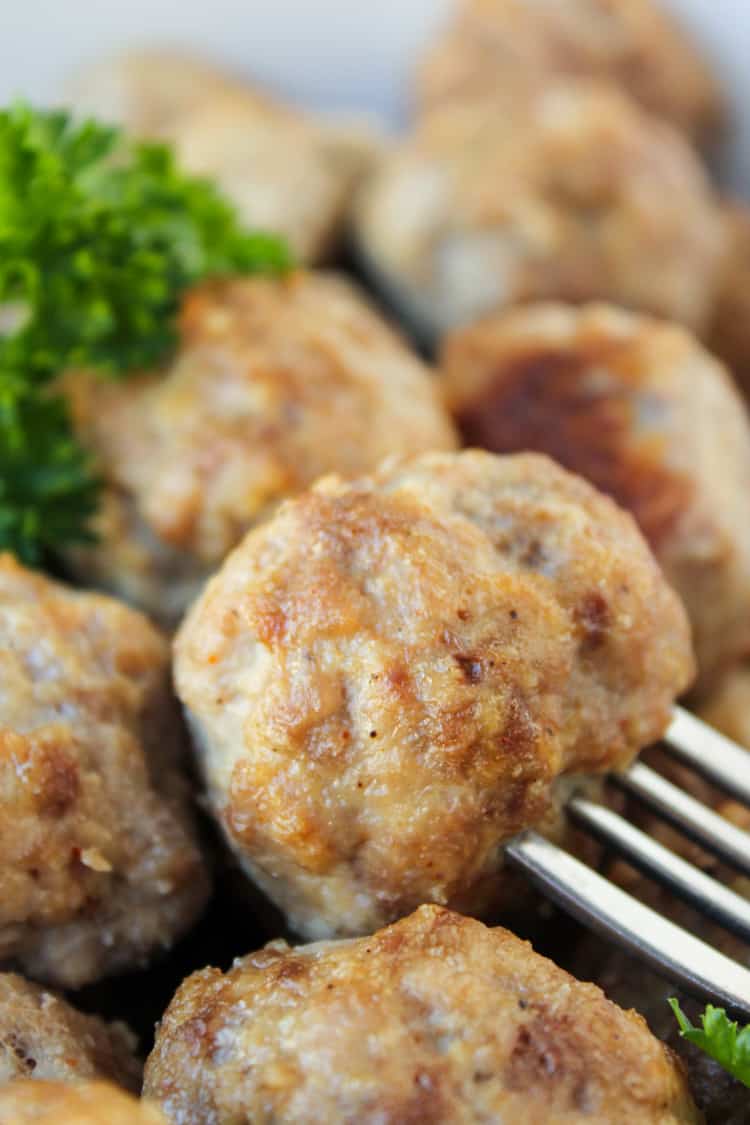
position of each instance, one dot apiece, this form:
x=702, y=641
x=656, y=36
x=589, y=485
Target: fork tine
x=675, y=873
x=710, y=754
x=690, y=816
x=605, y=908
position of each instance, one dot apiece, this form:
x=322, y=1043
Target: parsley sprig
x=720, y=1038
x=99, y=238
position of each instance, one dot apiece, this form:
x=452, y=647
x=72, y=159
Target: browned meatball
x=285, y=171
x=99, y=868
x=493, y=43
x=44, y=1037
x=641, y=410
x=87, y=1103
x=274, y=384
x=730, y=330
x=728, y=707
x=570, y=192
x=391, y=678
x=434, y=1019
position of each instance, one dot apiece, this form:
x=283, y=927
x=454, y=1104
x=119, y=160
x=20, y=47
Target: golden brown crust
x=86, y=1103
x=510, y=200
x=433, y=1019
x=45, y=1038
x=284, y=171
x=730, y=329
x=643, y=412
x=275, y=383
x=633, y=43
x=387, y=680
x=99, y=867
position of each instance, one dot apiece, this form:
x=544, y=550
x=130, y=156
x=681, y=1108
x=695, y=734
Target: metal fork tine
x=675, y=873
x=603, y=907
x=690, y=816
x=710, y=754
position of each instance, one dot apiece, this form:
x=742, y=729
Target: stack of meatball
x=374, y=658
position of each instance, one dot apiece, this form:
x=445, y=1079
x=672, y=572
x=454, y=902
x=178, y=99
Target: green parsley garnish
x=720, y=1038
x=99, y=238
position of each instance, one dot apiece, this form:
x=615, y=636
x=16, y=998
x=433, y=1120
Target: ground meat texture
x=641, y=410
x=87, y=1103
x=283, y=170
x=274, y=384
x=44, y=1037
x=492, y=44
x=730, y=328
x=99, y=867
x=569, y=192
x=390, y=678
x=435, y=1019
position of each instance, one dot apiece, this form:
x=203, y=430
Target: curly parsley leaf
x=720, y=1038
x=99, y=238
x=48, y=490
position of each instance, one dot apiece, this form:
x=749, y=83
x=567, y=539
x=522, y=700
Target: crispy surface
x=283, y=170
x=44, y=1037
x=633, y=43
x=275, y=383
x=511, y=200
x=640, y=409
x=387, y=679
x=730, y=329
x=99, y=868
x=87, y=1103
x=434, y=1019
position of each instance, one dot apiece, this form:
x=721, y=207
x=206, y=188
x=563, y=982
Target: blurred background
x=329, y=54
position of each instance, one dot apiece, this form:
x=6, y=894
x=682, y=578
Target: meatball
x=728, y=707
x=99, y=867
x=284, y=171
x=275, y=383
x=492, y=44
x=436, y=1018
x=87, y=1103
x=571, y=192
x=392, y=677
x=44, y=1037
x=641, y=410
x=730, y=329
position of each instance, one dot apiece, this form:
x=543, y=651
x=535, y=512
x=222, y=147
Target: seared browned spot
x=545, y=401
x=426, y=1101
x=519, y=734
x=398, y=678
x=59, y=783
x=271, y=621
x=533, y=555
x=391, y=941
x=289, y=968
x=470, y=667
x=543, y=1055
x=20, y=1049
x=593, y=617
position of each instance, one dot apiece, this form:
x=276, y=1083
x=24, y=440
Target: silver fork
x=603, y=907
